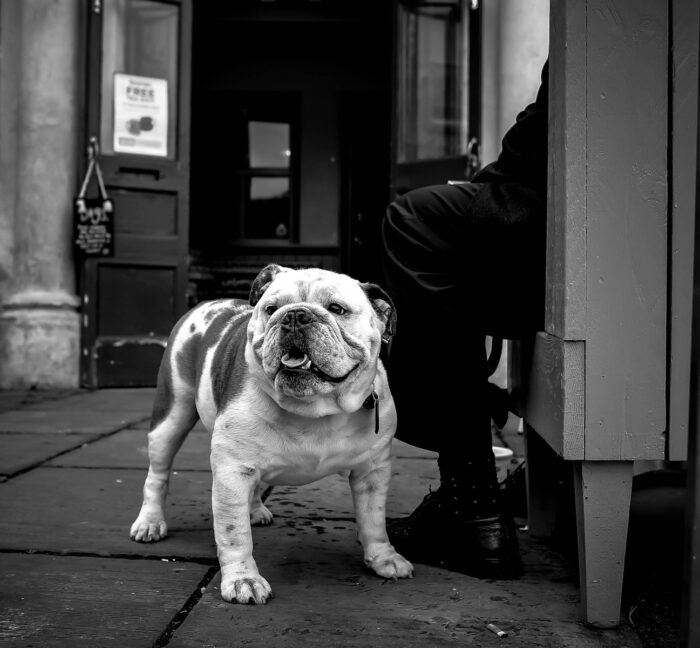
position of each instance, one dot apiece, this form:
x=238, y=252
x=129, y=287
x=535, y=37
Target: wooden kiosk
x=608, y=380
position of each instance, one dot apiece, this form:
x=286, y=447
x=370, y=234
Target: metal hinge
x=97, y=6
x=474, y=5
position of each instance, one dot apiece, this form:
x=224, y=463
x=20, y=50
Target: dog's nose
x=296, y=318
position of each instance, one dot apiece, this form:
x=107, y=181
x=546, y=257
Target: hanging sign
x=94, y=228
x=93, y=218
x=140, y=115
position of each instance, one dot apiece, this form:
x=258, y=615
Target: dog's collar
x=372, y=402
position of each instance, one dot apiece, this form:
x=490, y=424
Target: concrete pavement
x=73, y=465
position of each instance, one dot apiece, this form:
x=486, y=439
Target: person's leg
x=451, y=273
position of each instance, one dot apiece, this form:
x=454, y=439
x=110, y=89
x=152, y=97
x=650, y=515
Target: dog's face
x=314, y=338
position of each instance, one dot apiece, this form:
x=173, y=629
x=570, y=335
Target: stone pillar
x=515, y=45
x=524, y=44
x=39, y=323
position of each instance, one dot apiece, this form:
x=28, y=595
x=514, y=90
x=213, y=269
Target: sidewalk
x=73, y=466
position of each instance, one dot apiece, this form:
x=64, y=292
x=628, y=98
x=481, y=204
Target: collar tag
x=371, y=402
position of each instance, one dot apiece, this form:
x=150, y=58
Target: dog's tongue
x=296, y=362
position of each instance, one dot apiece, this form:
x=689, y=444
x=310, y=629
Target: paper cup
x=504, y=457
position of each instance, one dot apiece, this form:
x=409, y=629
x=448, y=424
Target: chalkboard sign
x=93, y=228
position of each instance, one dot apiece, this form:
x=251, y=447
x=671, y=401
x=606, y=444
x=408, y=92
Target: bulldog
x=292, y=389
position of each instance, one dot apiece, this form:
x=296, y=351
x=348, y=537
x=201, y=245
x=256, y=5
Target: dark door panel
x=136, y=301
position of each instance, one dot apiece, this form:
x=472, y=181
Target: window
x=433, y=106
x=264, y=136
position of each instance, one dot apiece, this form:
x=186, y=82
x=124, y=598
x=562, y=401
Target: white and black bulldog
x=292, y=389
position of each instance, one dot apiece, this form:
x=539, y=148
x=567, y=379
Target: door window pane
x=268, y=208
x=268, y=145
x=433, y=80
x=139, y=37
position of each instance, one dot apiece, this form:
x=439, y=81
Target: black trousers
x=461, y=262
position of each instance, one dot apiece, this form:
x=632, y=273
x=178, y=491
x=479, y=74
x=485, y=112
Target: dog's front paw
x=251, y=588
x=261, y=515
x=149, y=527
x=387, y=563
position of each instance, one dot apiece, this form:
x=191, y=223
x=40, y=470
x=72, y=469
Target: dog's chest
x=307, y=457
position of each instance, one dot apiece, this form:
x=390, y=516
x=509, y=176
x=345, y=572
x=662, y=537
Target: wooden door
x=437, y=91
x=138, y=60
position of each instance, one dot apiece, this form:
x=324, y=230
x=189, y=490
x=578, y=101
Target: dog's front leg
x=232, y=491
x=369, y=490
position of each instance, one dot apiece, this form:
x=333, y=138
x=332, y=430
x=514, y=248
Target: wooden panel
x=565, y=314
x=686, y=20
x=128, y=362
x=626, y=210
x=138, y=247
x=144, y=212
x=136, y=301
x=553, y=403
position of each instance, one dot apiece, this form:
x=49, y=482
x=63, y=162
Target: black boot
x=459, y=526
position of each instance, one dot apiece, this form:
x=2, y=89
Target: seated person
x=462, y=262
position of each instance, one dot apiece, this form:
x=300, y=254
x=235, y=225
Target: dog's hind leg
x=259, y=513
x=174, y=415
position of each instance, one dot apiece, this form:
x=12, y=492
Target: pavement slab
x=21, y=451
x=61, y=601
x=11, y=399
x=67, y=421
x=97, y=587
x=331, y=498
x=138, y=400
x=129, y=449
x=91, y=510
x=324, y=596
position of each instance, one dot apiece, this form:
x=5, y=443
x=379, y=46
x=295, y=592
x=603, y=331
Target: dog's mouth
x=296, y=360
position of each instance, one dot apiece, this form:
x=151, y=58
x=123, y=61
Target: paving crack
x=77, y=446
x=200, y=560
x=194, y=598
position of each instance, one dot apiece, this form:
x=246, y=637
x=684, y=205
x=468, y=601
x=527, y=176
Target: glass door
x=437, y=91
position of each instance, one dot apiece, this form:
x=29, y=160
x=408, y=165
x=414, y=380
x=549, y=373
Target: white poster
x=140, y=115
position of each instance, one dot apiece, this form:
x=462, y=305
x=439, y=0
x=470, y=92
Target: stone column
x=39, y=323
x=515, y=43
x=524, y=43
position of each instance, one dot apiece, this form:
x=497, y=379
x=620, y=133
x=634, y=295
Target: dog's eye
x=336, y=308
x=270, y=308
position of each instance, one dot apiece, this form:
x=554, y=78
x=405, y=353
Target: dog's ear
x=262, y=282
x=383, y=307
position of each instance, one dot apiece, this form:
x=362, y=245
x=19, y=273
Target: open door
x=437, y=91
x=138, y=55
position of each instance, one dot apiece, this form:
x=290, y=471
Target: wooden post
x=691, y=603
x=603, y=492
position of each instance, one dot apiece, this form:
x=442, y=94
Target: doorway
x=291, y=140
x=283, y=130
